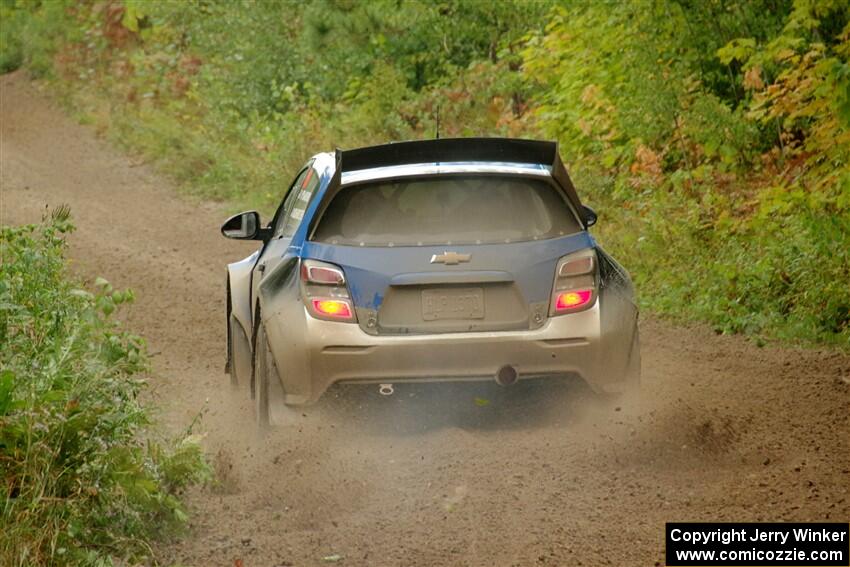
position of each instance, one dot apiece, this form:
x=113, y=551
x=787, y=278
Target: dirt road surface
x=537, y=476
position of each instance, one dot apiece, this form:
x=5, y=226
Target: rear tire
x=630, y=389
x=264, y=373
x=633, y=369
x=629, y=399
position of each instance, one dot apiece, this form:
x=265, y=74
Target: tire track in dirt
x=539, y=476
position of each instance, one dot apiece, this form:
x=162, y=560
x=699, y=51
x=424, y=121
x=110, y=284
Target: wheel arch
x=238, y=306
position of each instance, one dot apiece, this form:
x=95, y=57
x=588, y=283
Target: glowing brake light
x=332, y=308
x=568, y=300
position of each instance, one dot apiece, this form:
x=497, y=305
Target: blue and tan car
x=427, y=261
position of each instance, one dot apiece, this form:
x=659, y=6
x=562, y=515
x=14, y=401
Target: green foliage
x=715, y=139
x=31, y=32
x=83, y=483
x=232, y=97
x=12, y=22
x=711, y=135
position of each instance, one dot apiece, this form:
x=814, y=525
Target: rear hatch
x=440, y=254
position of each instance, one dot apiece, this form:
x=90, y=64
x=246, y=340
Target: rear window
x=476, y=209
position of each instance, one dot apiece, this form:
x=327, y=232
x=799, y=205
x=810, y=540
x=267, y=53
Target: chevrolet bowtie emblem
x=450, y=258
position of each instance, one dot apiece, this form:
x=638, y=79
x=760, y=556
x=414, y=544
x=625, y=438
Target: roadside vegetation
x=83, y=479
x=712, y=137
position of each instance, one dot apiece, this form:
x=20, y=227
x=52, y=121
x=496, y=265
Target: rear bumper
x=326, y=352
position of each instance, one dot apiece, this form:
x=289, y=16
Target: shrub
x=715, y=139
x=83, y=480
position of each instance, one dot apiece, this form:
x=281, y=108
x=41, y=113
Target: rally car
x=427, y=261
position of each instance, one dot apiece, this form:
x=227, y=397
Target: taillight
x=573, y=299
x=575, y=283
x=335, y=308
x=321, y=274
x=577, y=267
x=325, y=293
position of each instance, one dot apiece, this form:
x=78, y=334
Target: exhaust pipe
x=506, y=375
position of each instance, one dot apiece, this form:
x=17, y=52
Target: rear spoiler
x=504, y=150
x=451, y=150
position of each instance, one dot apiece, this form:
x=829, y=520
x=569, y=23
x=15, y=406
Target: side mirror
x=589, y=216
x=244, y=226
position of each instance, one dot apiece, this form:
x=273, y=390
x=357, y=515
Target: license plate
x=467, y=303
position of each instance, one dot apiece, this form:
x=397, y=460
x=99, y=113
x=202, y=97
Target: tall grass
x=83, y=480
